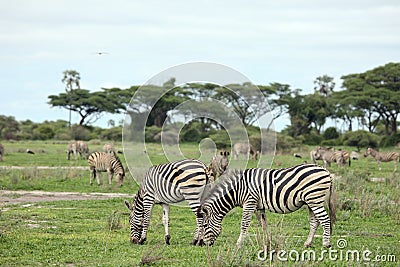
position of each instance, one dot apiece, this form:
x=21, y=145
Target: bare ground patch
x=21, y=196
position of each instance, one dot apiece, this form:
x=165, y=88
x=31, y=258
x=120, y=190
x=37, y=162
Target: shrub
x=389, y=140
x=330, y=133
x=360, y=139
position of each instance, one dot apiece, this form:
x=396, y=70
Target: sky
x=287, y=41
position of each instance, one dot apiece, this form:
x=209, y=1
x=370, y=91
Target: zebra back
x=102, y=162
x=276, y=190
x=382, y=156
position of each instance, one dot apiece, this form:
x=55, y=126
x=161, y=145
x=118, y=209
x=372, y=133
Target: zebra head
x=136, y=217
x=367, y=152
x=212, y=224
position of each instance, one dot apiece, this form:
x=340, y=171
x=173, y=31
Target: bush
x=191, y=135
x=389, y=140
x=221, y=139
x=312, y=139
x=330, y=133
x=360, y=139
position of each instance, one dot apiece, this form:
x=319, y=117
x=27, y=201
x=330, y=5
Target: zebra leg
x=314, y=223
x=262, y=219
x=165, y=220
x=248, y=209
x=92, y=174
x=110, y=175
x=323, y=218
x=147, y=207
x=380, y=165
x=97, y=177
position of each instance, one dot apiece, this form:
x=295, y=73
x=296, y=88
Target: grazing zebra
x=83, y=149
x=383, y=157
x=277, y=190
x=72, y=149
x=1, y=152
x=108, y=148
x=244, y=148
x=105, y=162
x=218, y=165
x=167, y=184
x=329, y=155
x=314, y=156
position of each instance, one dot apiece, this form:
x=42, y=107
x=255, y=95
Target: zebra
x=108, y=148
x=329, y=155
x=1, y=152
x=383, y=157
x=219, y=164
x=277, y=190
x=105, y=162
x=244, y=148
x=72, y=149
x=166, y=184
x=82, y=149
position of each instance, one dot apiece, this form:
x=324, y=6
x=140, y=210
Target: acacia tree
x=91, y=105
x=376, y=94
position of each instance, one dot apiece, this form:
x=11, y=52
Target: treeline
x=371, y=99
x=11, y=129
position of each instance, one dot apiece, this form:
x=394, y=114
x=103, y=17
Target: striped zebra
x=82, y=149
x=219, y=164
x=383, y=157
x=244, y=148
x=166, y=184
x=276, y=190
x=108, y=148
x=329, y=155
x=72, y=149
x=105, y=162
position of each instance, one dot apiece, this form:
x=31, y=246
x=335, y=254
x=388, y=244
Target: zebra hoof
x=167, y=238
x=201, y=243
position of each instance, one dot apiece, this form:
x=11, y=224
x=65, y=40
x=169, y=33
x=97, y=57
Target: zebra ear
x=128, y=205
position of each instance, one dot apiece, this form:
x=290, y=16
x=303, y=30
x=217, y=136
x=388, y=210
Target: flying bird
x=101, y=53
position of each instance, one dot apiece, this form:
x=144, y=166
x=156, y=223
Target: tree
x=90, y=105
x=324, y=85
x=71, y=79
x=375, y=93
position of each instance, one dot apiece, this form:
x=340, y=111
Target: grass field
x=96, y=232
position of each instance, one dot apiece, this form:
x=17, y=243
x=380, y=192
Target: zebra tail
x=349, y=161
x=332, y=204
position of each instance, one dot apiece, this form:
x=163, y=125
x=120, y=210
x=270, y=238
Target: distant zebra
x=328, y=156
x=105, y=162
x=219, y=164
x=383, y=157
x=82, y=149
x=1, y=152
x=277, y=190
x=72, y=149
x=244, y=148
x=108, y=148
x=167, y=184
x=77, y=147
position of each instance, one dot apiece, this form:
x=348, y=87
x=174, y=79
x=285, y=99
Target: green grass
x=96, y=232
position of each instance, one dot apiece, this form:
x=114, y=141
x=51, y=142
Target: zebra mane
x=224, y=180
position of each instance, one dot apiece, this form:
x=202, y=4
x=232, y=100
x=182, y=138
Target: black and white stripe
x=166, y=184
x=383, y=157
x=341, y=157
x=276, y=190
x=105, y=162
x=218, y=165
